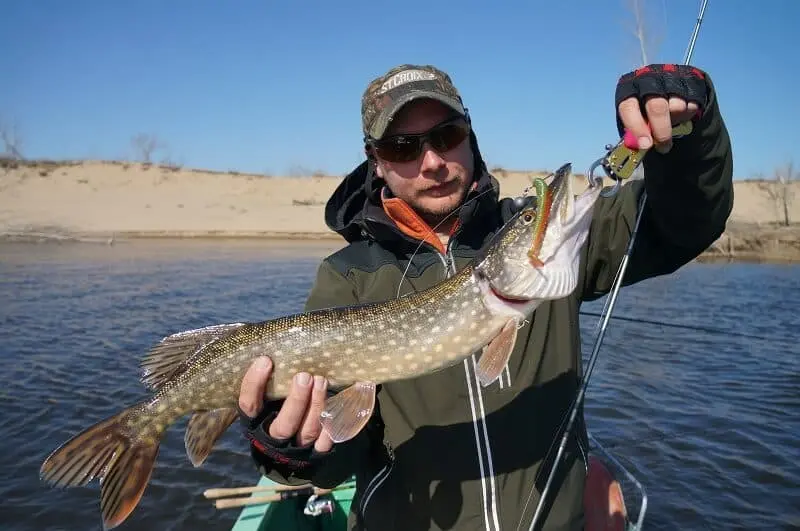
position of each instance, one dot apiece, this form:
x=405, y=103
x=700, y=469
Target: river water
x=706, y=414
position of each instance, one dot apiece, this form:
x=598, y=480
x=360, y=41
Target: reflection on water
x=707, y=421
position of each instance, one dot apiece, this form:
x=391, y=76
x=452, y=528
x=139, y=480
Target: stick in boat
x=256, y=500
x=235, y=491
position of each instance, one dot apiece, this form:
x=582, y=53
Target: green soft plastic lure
x=544, y=198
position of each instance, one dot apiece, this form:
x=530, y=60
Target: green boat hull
x=288, y=514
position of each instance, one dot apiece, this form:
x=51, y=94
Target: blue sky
x=269, y=86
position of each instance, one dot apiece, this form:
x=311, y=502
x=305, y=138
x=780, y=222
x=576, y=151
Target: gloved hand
x=653, y=99
x=285, y=434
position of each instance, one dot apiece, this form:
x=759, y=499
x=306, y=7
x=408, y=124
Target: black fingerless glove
x=683, y=81
x=280, y=455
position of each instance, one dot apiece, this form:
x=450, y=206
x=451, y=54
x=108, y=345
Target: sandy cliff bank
x=102, y=200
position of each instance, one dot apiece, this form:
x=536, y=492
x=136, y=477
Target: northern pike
x=534, y=257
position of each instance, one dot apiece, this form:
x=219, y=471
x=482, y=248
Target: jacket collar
x=357, y=210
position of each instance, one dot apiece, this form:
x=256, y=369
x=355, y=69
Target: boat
x=329, y=511
x=305, y=512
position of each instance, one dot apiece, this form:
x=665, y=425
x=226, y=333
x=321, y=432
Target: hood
x=355, y=210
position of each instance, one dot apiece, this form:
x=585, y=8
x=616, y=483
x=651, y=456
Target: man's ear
x=378, y=167
x=374, y=161
x=378, y=170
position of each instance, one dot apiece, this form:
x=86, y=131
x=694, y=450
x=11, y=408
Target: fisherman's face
x=435, y=183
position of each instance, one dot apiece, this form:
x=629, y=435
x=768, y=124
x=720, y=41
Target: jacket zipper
x=491, y=516
x=375, y=483
x=448, y=261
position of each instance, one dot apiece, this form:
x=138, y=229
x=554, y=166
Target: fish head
x=535, y=256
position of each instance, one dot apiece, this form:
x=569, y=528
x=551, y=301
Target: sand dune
x=102, y=200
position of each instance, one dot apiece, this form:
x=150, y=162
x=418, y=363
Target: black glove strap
x=272, y=453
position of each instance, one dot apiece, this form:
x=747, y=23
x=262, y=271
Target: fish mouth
x=497, y=298
x=542, y=263
x=562, y=198
x=508, y=299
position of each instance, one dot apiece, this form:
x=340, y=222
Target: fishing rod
x=607, y=310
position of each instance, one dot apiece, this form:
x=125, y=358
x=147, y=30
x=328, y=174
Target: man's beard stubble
x=436, y=216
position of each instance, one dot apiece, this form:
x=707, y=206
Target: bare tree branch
x=781, y=190
x=646, y=41
x=643, y=32
x=640, y=31
x=145, y=145
x=12, y=141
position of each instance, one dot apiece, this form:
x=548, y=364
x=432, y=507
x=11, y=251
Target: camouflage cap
x=385, y=95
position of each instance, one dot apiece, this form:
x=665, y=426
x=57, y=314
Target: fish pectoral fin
x=204, y=430
x=170, y=356
x=496, y=354
x=347, y=412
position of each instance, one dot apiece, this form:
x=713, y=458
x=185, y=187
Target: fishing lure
x=544, y=204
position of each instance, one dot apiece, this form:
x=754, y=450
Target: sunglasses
x=407, y=147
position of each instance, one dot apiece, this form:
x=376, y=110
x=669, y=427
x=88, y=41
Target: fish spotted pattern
x=199, y=372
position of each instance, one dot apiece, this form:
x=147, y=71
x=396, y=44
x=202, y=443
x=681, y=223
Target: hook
x=595, y=181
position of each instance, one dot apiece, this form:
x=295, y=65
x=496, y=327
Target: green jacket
x=443, y=453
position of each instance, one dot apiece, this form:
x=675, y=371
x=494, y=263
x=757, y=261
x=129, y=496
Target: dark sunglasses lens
x=399, y=148
x=405, y=148
x=448, y=136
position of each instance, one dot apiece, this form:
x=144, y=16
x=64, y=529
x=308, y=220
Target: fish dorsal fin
x=170, y=356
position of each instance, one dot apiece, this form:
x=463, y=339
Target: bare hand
x=299, y=416
x=662, y=114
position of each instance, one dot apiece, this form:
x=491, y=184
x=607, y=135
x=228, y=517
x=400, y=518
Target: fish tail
x=120, y=450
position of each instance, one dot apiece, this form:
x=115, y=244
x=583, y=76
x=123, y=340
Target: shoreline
x=120, y=236
x=755, y=246
x=109, y=202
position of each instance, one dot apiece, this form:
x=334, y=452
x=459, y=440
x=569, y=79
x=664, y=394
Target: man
x=440, y=452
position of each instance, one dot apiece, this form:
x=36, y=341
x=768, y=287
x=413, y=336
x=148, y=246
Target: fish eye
x=527, y=216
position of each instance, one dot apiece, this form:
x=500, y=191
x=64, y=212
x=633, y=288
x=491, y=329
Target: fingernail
x=319, y=382
x=645, y=142
x=266, y=364
x=302, y=378
x=251, y=410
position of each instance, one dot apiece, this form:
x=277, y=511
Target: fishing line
x=662, y=436
x=433, y=232
x=707, y=329
x=602, y=325
x=457, y=211
x=599, y=327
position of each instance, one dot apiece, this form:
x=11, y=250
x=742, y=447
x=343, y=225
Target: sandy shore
x=95, y=200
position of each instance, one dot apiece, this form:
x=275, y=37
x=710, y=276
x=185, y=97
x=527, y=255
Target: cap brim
x=384, y=118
